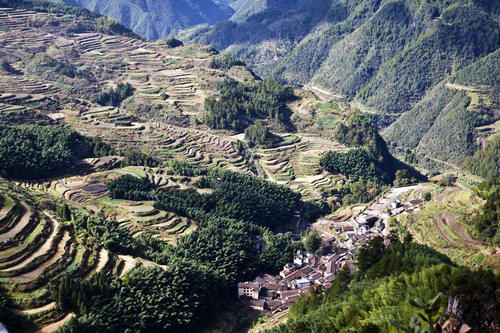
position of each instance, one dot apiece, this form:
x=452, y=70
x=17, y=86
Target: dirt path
x=42, y=250
x=101, y=262
x=462, y=87
x=54, y=326
x=442, y=233
x=321, y=93
x=30, y=276
x=37, y=310
x=129, y=263
x=441, y=197
x=23, y=222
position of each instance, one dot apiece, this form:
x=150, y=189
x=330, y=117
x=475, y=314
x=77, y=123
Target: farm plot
x=45, y=249
x=441, y=223
x=296, y=163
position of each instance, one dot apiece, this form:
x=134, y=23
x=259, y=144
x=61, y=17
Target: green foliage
x=463, y=32
x=35, y=151
x=7, y=67
x=225, y=62
x=241, y=103
x=487, y=224
x=173, y=43
x=429, y=315
x=392, y=56
x=370, y=253
x=312, y=242
x=485, y=162
x=63, y=212
x=98, y=148
x=312, y=210
x=259, y=135
x=234, y=195
x=184, y=168
x=108, y=233
x=369, y=159
x=32, y=151
x=129, y=187
x=114, y=97
x=42, y=62
x=176, y=299
x=398, y=258
x=368, y=306
x=137, y=158
x=485, y=71
x=12, y=321
x=354, y=164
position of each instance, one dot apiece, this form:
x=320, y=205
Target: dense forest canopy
x=485, y=162
x=260, y=135
x=234, y=195
x=369, y=158
x=201, y=270
x=241, y=104
x=32, y=151
x=36, y=151
x=486, y=225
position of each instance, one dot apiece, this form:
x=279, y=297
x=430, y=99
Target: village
x=277, y=293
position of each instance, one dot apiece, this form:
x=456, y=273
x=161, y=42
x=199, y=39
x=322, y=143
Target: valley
x=141, y=182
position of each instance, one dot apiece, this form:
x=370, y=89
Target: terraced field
x=441, y=224
x=170, y=85
x=37, y=248
x=161, y=118
x=296, y=163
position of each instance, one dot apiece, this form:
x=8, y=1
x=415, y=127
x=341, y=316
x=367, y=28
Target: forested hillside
x=143, y=183
x=388, y=58
x=157, y=19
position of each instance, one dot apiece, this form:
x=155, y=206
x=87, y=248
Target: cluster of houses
x=276, y=293
x=397, y=207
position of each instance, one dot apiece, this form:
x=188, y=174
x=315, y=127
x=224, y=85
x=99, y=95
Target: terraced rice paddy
x=37, y=249
x=441, y=223
x=296, y=164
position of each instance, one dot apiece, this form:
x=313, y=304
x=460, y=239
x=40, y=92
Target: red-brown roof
x=248, y=285
x=289, y=293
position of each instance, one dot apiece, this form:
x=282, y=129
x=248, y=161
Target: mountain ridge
x=382, y=56
x=157, y=19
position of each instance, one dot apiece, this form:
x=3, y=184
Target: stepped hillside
x=153, y=97
x=388, y=58
x=86, y=109
x=158, y=19
x=140, y=182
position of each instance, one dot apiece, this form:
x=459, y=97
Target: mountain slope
x=384, y=56
x=247, y=8
x=157, y=19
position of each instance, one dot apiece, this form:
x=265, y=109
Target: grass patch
x=134, y=172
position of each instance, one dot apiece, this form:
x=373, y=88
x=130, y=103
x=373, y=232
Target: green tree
x=312, y=242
